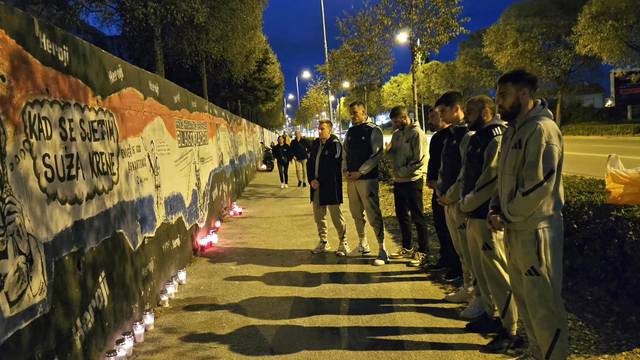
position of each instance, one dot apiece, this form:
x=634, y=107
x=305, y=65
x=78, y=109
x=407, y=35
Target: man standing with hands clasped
x=528, y=205
x=325, y=177
x=363, y=147
x=407, y=154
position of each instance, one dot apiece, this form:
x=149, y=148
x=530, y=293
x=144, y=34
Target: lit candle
x=218, y=224
x=111, y=355
x=170, y=287
x=182, y=276
x=128, y=342
x=164, y=298
x=149, y=319
x=121, y=348
x=138, y=331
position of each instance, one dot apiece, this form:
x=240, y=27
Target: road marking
x=600, y=155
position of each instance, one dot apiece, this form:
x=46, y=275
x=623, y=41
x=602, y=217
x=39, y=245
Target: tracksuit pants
x=364, y=198
x=407, y=198
x=489, y=263
x=301, y=170
x=534, y=262
x=448, y=255
x=320, y=216
x=457, y=228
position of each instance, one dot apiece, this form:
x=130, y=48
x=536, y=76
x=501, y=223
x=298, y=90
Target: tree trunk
x=559, y=105
x=366, y=105
x=157, y=49
x=203, y=74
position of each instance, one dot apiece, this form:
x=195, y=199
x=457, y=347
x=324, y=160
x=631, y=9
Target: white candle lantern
x=138, y=331
x=128, y=342
x=182, y=276
x=164, y=298
x=111, y=355
x=170, y=287
x=121, y=348
x=149, y=319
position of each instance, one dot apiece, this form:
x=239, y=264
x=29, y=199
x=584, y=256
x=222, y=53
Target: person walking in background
x=325, y=178
x=282, y=153
x=449, y=259
x=528, y=205
x=488, y=257
x=300, y=150
x=363, y=147
x=408, y=158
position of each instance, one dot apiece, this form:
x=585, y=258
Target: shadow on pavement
x=295, y=307
x=261, y=340
x=277, y=257
x=309, y=279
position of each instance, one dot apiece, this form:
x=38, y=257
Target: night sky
x=294, y=29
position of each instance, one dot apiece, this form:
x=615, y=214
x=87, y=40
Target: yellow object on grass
x=622, y=184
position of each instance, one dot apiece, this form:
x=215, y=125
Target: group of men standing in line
x=495, y=170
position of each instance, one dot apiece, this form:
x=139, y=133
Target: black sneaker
x=439, y=266
x=299, y=183
x=501, y=343
x=484, y=325
x=452, y=275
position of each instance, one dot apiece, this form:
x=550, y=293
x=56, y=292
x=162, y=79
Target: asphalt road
x=587, y=155
x=261, y=292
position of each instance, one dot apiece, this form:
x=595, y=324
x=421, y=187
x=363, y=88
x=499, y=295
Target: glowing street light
x=291, y=97
x=402, y=37
x=306, y=74
x=346, y=84
x=288, y=106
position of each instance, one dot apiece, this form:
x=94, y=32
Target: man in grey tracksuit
x=528, y=205
x=478, y=185
x=363, y=147
x=407, y=152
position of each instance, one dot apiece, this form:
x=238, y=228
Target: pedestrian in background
x=528, y=205
x=363, y=147
x=325, y=179
x=407, y=152
x=300, y=151
x=282, y=153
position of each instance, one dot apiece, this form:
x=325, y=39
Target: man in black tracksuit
x=324, y=171
x=448, y=258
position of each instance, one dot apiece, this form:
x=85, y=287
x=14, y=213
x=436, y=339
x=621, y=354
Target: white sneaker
x=362, y=250
x=282, y=186
x=343, y=249
x=382, y=259
x=474, y=309
x=323, y=246
x=286, y=186
x=459, y=296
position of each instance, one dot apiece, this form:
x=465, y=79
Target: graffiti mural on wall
x=85, y=138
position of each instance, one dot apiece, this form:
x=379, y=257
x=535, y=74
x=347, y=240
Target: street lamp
x=326, y=57
x=306, y=75
x=291, y=97
x=404, y=37
x=288, y=106
x=346, y=84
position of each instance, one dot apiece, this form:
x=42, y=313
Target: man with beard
x=478, y=185
x=407, y=154
x=449, y=260
x=528, y=205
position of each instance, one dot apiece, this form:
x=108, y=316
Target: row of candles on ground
x=124, y=345
x=211, y=238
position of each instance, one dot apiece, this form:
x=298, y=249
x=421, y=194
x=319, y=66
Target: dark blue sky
x=294, y=29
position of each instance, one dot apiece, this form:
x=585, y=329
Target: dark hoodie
x=324, y=165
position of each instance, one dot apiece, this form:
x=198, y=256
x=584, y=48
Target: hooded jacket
x=529, y=189
x=478, y=183
x=408, y=153
x=324, y=164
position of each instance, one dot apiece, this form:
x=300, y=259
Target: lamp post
x=404, y=37
x=326, y=56
x=306, y=75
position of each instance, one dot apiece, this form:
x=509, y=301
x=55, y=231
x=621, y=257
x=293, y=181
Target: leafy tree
x=473, y=71
x=397, y=91
x=312, y=104
x=537, y=35
x=610, y=30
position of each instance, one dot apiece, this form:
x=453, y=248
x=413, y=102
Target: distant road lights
x=346, y=85
x=291, y=97
x=306, y=74
x=402, y=37
x=288, y=106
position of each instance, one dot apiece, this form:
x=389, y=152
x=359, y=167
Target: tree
x=610, y=30
x=537, y=35
x=312, y=104
x=474, y=72
x=397, y=91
